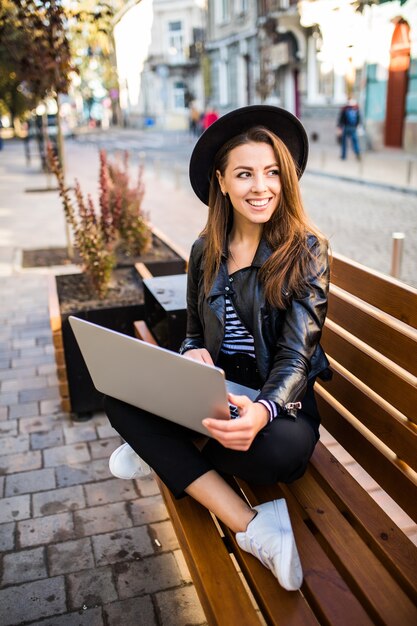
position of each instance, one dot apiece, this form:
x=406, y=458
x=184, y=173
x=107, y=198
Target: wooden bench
x=359, y=567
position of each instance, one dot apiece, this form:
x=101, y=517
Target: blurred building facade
x=165, y=50
x=307, y=56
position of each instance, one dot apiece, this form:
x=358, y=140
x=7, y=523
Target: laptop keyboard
x=234, y=412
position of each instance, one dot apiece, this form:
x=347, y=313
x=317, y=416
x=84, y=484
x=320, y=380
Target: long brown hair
x=285, y=272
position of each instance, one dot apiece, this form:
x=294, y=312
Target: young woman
x=256, y=303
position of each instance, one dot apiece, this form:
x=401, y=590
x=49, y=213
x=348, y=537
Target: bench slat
x=391, y=476
x=393, y=547
x=383, y=292
x=325, y=590
x=400, y=436
x=217, y=582
x=367, y=577
x=393, y=339
x=384, y=377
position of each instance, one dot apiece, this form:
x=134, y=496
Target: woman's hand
x=238, y=434
x=199, y=354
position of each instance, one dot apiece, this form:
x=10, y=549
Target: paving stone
x=2, y=481
x=135, y=611
x=83, y=617
x=182, y=566
x=9, y=386
x=7, y=536
x=28, y=482
x=58, y=501
x=123, y=545
x=41, y=423
x=47, y=439
x=79, y=432
x=23, y=343
x=22, y=462
x=46, y=369
x=17, y=372
x=4, y=412
x=31, y=361
x=113, y=490
x=8, y=398
x=101, y=519
x=148, y=510
x=31, y=601
x=82, y=473
x=147, y=576
x=70, y=556
x=36, y=395
x=50, y=407
x=66, y=455
x=23, y=566
x=12, y=445
x=164, y=534
x=48, y=529
x=147, y=486
x=180, y=606
x=34, y=382
x=15, y=508
x=8, y=428
x=28, y=409
x=106, y=431
x=102, y=448
x=91, y=587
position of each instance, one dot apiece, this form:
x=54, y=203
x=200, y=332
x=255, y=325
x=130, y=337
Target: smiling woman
x=256, y=303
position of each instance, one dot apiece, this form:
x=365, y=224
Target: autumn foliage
x=118, y=224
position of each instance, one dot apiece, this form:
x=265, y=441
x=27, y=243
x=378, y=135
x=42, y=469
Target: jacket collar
x=262, y=253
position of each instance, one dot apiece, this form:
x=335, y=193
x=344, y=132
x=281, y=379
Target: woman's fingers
x=201, y=354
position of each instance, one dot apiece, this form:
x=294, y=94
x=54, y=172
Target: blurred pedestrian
x=28, y=130
x=349, y=119
x=194, y=120
x=210, y=116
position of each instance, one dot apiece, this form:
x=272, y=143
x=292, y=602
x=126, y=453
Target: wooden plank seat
x=359, y=567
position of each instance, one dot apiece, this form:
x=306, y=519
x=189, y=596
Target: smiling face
x=251, y=179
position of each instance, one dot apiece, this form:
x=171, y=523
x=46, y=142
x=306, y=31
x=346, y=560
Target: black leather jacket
x=287, y=348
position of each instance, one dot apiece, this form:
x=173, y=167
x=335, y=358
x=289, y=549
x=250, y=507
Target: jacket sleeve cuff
x=190, y=344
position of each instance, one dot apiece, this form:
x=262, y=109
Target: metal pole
x=409, y=172
x=397, y=253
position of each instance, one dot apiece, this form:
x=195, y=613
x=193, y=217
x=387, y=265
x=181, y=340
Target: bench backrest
x=370, y=405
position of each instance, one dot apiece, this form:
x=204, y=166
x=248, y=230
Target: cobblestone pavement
x=79, y=547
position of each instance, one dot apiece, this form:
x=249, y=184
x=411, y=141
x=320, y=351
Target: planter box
x=78, y=394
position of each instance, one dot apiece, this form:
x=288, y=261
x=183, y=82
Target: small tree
x=119, y=222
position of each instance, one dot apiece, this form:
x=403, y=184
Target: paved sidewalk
x=78, y=546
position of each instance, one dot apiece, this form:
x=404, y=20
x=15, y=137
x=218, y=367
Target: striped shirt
x=238, y=340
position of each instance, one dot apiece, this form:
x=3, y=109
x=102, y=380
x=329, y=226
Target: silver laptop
x=153, y=378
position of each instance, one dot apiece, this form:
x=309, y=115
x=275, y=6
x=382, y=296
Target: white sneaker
x=125, y=463
x=269, y=537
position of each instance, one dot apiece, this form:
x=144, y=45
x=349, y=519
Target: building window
x=222, y=11
x=179, y=95
x=175, y=39
x=242, y=7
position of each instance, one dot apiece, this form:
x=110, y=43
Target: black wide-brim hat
x=281, y=122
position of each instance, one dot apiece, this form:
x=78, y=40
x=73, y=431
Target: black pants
x=279, y=453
